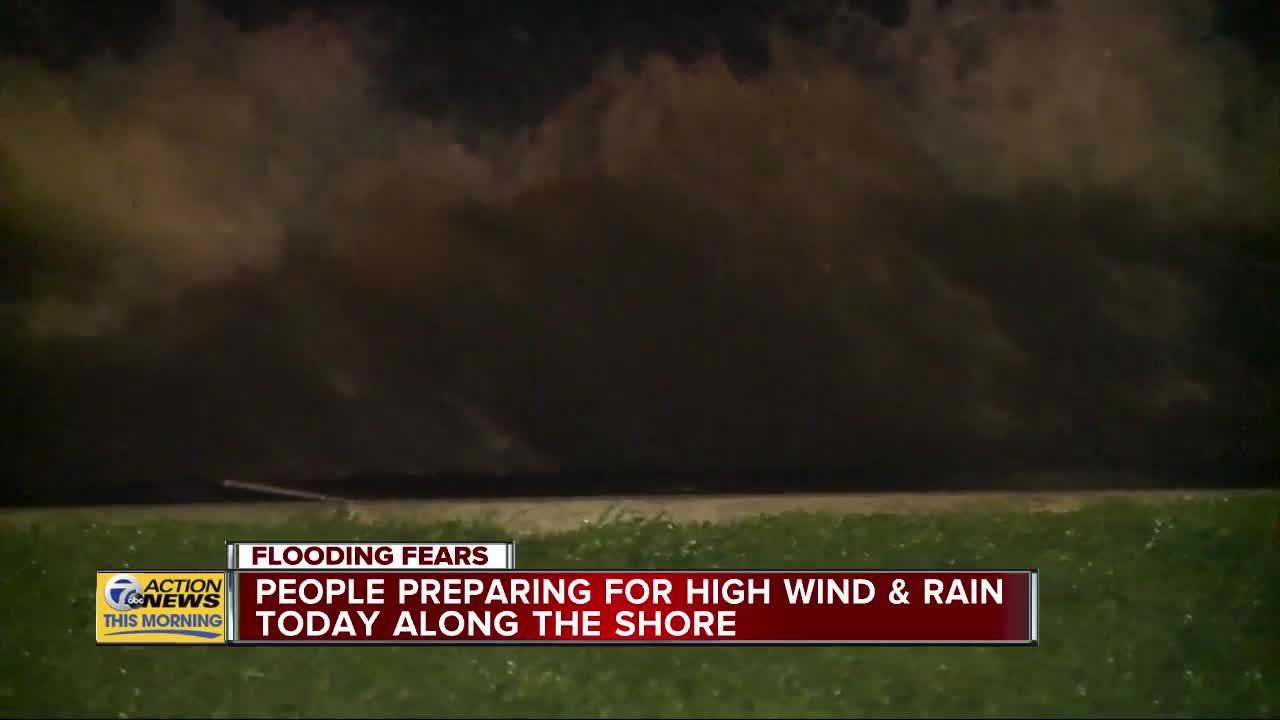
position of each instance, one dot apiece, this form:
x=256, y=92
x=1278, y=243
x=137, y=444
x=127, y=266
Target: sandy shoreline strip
x=560, y=514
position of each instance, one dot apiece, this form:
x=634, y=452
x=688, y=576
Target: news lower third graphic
x=453, y=593
x=180, y=607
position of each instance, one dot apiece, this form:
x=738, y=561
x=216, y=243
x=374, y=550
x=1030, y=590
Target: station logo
x=161, y=608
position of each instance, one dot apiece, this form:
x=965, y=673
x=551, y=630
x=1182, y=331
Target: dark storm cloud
x=994, y=235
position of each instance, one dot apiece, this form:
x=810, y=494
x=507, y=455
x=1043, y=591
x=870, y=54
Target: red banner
x=611, y=607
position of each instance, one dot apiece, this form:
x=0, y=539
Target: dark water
x=643, y=483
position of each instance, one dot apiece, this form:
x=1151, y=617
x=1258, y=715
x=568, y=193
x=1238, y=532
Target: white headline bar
x=371, y=556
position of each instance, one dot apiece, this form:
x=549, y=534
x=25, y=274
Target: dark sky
x=502, y=59
x=66, y=28
x=499, y=60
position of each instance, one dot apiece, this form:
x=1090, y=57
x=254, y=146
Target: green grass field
x=1165, y=611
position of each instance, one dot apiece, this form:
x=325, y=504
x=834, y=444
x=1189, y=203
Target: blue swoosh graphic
x=164, y=631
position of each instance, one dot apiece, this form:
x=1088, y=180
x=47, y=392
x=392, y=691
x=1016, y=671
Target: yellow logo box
x=181, y=607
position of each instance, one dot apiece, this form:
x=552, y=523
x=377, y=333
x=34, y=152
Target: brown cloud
x=979, y=243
